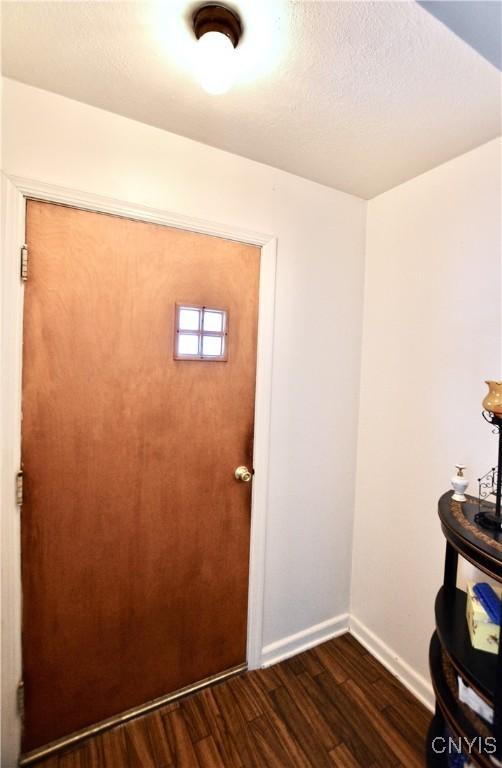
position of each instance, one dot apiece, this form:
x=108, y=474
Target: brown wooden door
x=135, y=534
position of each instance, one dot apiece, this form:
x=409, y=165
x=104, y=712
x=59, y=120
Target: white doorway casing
x=15, y=191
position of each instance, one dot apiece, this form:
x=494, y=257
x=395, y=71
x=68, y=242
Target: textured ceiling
x=356, y=95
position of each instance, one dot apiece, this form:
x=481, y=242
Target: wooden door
x=135, y=533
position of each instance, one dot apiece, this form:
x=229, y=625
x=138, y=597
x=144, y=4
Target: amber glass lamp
x=493, y=399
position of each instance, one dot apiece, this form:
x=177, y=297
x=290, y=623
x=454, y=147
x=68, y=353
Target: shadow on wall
x=477, y=22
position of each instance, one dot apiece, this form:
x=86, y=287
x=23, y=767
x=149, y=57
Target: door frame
x=14, y=193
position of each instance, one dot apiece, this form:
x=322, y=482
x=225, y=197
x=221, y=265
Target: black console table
x=451, y=652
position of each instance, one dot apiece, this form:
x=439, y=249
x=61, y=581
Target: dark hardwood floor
x=334, y=706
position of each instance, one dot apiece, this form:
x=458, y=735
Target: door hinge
x=24, y=263
x=19, y=488
x=20, y=699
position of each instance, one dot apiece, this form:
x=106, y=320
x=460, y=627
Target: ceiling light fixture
x=218, y=30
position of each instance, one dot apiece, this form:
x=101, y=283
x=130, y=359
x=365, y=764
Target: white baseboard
x=301, y=641
x=419, y=686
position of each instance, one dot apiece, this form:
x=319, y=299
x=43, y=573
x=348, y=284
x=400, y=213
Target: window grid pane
x=188, y=344
x=213, y=321
x=200, y=333
x=189, y=319
x=212, y=346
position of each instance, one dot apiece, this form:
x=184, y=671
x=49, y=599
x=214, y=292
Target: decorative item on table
x=478, y=705
x=455, y=758
x=490, y=484
x=459, y=483
x=483, y=611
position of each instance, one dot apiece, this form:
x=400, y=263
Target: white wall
x=431, y=337
x=321, y=239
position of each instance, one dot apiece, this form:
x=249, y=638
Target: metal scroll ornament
x=490, y=484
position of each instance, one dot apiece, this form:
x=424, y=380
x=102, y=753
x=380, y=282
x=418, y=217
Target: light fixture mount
x=217, y=18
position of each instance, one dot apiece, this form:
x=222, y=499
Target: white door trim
x=15, y=191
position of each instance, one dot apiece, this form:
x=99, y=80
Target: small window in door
x=200, y=333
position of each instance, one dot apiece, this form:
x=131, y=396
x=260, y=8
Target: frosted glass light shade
x=215, y=62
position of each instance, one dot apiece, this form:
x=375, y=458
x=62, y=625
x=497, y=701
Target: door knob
x=243, y=474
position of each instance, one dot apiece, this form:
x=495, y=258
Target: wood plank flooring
x=333, y=706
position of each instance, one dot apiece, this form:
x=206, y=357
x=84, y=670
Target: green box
x=485, y=635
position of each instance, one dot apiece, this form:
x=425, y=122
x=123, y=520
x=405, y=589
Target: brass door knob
x=243, y=474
